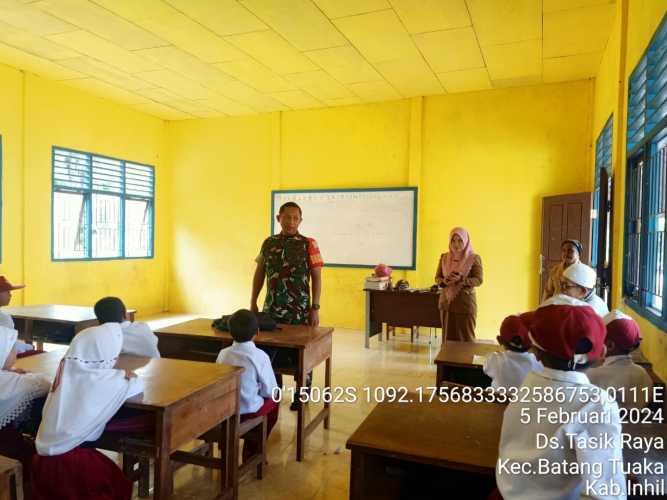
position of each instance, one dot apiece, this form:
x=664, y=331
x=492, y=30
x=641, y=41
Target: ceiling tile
x=137, y=10
x=578, y=67
x=578, y=31
x=379, y=36
x=556, y=5
x=343, y=101
x=223, y=17
x=106, y=90
x=188, y=106
x=298, y=21
x=94, y=46
x=374, y=91
x=158, y=94
x=175, y=83
x=33, y=20
x=411, y=77
x=227, y=106
x=341, y=8
x=523, y=81
x=99, y=70
x=24, y=40
x=273, y=51
x=38, y=65
x=256, y=75
x=506, y=21
x=296, y=99
x=450, y=50
x=161, y=111
x=319, y=84
x=514, y=60
x=181, y=62
x=466, y=80
x=192, y=37
x=344, y=64
x=100, y=21
x=420, y=16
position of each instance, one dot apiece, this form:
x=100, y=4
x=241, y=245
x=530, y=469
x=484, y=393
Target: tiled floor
x=325, y=472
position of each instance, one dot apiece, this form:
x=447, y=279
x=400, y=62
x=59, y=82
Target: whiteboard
x=357, y=227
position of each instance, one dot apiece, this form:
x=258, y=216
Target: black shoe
x=296, y=404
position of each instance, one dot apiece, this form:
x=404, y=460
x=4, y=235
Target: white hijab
x=86, y=392
x=17, y=391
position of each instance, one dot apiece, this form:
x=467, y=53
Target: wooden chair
x=255, y=429
x=11, y=479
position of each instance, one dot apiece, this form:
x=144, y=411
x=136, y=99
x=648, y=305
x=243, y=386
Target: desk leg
x=368, y=320
x=163, y=475
x=300, y=417
x=440, y=375
x=327, y=384
x=357, y=474
x=229, y=454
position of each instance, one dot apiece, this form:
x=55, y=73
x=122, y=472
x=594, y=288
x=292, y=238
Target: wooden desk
x=11, y=482
x=37, y=321
x=196, y=339
x=425, y=439
x=187, y=399
x=454, y=362
x=400, y=308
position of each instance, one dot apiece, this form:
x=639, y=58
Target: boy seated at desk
x=87, y=392
x=138, y=338
x=618, y=370
x=22, y=349
x=567, y=445
x=18, y=390
x=257, y=380
x=579, y=281
x=508, y=368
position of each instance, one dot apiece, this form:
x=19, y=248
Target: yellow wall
x=465, y=152
x=11, y=130
x=636, y=21
x=45, y=114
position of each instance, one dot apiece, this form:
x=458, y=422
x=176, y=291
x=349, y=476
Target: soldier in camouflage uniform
x=287, y=262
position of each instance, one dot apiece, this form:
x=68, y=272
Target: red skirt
x=79, y=474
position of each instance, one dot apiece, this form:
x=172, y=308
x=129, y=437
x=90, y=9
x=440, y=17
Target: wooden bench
x=11, y=479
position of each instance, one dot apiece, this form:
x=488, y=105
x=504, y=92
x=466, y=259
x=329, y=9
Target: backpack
x=266, y=322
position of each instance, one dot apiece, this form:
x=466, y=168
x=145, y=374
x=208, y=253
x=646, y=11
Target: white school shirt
x=8, y=322
x=257, y=379
x=598, y=305
x=139, y=339
x=621, y=371
x=518, y=442
x=509, y=368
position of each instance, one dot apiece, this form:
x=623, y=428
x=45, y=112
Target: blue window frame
x=102, y=207
x=603, y=148
x=644, y=285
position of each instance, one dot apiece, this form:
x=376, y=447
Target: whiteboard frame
x=414, y=190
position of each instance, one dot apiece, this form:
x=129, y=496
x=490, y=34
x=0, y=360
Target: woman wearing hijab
x=18, y=390
x=571, y=251
x=86, y=393
x=459, y=272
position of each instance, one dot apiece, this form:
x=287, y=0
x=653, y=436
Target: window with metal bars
x=602, y=161
x=103, y=208
x=646, y=182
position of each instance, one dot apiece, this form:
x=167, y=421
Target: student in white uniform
x=565, y=446
x=257, y=380
x=509, y=367
x=579, y=282
x=618, y=370
x=18, y=391
x=86, y=393
x=6, y=320
x=138, y=338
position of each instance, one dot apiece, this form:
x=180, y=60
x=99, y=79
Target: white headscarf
x=17, y=391
x=563, y=300
x=86, y=392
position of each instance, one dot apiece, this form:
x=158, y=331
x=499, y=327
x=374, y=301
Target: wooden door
x=564, y=217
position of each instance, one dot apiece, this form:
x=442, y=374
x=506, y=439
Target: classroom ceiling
x=179, y=59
